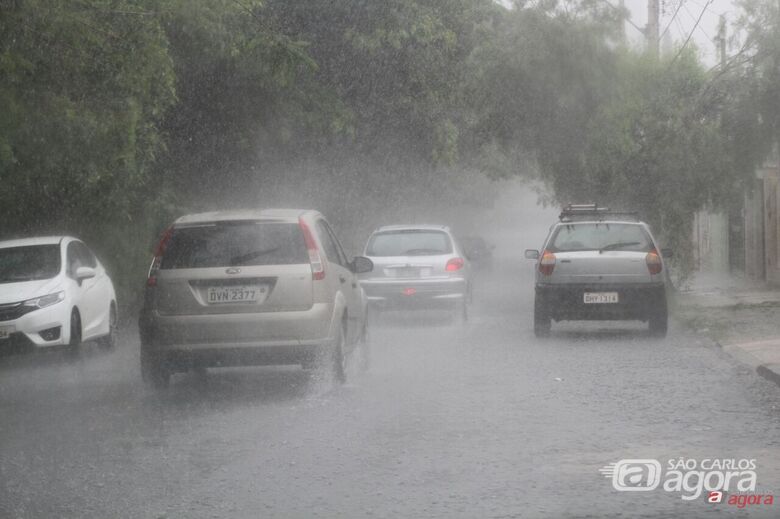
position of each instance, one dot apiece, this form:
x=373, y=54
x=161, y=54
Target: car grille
x=14, y=311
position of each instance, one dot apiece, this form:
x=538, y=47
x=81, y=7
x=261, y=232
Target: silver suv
x=417, y=266
x=598, y=264
x=250, y=288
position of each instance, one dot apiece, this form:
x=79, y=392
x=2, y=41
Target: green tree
x=83, y=87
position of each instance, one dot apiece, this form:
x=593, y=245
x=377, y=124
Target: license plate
x=6, y=331
x=237, y=294
x=600, y=297
x=410, y=272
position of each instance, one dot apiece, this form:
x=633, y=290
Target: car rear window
x=235, y=244
x=29, y=263
x=409, y=243
x=598, y=236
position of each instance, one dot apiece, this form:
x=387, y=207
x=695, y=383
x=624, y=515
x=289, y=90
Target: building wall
x=772, y=227
x=754, y=232
x=711, y=242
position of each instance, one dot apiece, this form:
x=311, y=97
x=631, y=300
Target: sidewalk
x=741, y=316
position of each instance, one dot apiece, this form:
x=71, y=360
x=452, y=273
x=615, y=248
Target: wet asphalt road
x=481, y=420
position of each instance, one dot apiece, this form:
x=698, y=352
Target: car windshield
x=29, y=263
x=600, y=236
x=235, y=244
x=409, y=243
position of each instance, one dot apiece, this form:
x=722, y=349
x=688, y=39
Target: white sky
x=684, y=22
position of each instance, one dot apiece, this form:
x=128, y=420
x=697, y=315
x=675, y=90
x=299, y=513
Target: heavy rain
x=397, y=258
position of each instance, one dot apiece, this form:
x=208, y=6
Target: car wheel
x=542, y=319
x=74, y=346
x=658, y=324
x=107, y=342
x=339, y=361
x=155, y=372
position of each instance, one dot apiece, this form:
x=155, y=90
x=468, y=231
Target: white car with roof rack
x=54, y=292
x=254, y=287
x=598, y=264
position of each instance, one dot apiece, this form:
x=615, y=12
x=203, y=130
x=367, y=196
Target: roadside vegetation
x=120, y=114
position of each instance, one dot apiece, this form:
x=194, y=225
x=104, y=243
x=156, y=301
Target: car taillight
x=454, y=265
x=317, y=266
x=654, y=264
x=165, y=237
x=547, y=263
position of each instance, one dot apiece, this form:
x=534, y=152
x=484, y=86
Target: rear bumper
x=271, y=335
x=414, y=293
x=183, y=357
x=635, y=301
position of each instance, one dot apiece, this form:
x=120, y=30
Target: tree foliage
x=83, y=87
x=119, y=113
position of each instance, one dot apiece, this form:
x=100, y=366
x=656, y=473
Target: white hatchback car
x=54, y=292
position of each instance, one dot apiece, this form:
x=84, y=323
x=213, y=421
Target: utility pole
x=652, y=31
x=721, y=39
x=623, y=22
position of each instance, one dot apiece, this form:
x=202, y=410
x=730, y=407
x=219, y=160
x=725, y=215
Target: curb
x=770, y=372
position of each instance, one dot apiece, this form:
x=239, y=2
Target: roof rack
x=593, y=212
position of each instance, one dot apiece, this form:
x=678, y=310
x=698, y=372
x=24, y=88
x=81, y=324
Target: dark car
x=478, y=251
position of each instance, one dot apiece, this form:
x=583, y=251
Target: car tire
x=542, y=319
x=658, y=324
x=155, y=372
x=338, y=361
x=107, y=342
x=74, y=345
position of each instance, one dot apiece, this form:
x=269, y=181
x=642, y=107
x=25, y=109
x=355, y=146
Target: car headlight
x=44, y=301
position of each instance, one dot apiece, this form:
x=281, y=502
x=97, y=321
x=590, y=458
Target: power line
x=626, y=18
x=681, y=29
x=690, y=34
x=690, y=15
x=706, y=7
x=679, y=5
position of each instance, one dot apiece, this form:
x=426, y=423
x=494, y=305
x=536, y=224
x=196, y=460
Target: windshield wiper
x=618, y=245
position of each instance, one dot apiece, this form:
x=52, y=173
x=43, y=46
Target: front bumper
x=414, y=293
x=635, y=301
x=26, y=331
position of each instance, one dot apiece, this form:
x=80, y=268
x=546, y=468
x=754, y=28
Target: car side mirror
x=532, y=254
x=83, y=273
x=667, y=253
x=361, y=265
